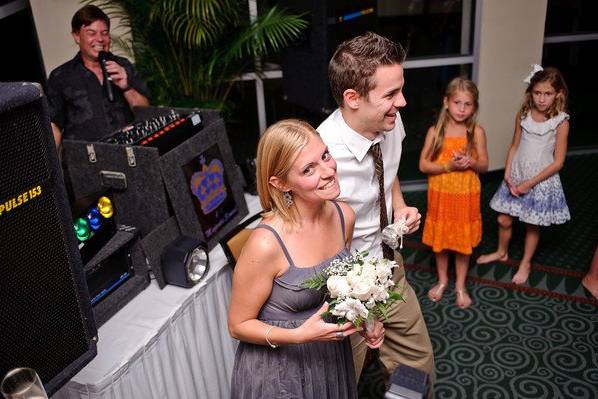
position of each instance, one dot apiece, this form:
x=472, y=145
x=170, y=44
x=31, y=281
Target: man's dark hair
x=88, y=15
x=355, y=62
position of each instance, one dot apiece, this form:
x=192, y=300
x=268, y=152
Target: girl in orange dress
x=454, y=153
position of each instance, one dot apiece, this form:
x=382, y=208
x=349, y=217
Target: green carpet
x=508, y=344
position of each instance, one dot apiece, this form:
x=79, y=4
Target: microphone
x=104, y=56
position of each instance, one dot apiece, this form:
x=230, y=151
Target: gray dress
x=311, y=370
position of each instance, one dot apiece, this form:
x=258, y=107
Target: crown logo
x=207, y=185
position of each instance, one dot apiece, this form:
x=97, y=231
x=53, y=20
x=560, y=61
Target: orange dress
x=453, y=220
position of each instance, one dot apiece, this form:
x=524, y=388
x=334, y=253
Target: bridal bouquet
x=360, y=289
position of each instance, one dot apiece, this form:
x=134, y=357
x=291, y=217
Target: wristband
x=273, y=346
x=127, y=89
x=446, y=167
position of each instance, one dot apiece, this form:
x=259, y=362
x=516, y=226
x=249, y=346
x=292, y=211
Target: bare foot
x=492, y=257
x=436, y=292
x=589, y=283
x=463, y=300
x=522, y=274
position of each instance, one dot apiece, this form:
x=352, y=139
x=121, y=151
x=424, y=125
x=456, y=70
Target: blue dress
x=545, y=203
x=312, y=370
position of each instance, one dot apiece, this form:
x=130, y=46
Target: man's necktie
x=379, y=164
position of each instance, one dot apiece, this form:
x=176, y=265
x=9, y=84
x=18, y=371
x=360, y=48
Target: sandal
x=435, y=293
x=463, y=300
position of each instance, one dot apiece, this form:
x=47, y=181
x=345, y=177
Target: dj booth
x=162, y=341
x=170, y=343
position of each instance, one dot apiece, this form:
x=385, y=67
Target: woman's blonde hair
x=455, y=85
x=556, y=80
x=278, y=148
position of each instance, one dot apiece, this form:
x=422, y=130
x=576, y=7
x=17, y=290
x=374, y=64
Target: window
x=570, y=44
x=438, y=35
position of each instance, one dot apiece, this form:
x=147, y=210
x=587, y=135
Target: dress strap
x=284, y=248
x=342, y=217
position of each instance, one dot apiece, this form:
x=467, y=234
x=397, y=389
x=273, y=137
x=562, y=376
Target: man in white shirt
x=366, y=80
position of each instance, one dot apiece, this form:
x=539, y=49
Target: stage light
x=185, y=261
x=105, y=207
x=82, y=230
x=94, y=218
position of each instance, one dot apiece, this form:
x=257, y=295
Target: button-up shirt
x=356, y=174
x=79, y=104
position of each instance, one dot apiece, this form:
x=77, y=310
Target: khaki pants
x=406, y=339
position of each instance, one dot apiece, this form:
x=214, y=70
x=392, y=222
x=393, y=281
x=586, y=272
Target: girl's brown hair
x=278, y=148
x=556, y=80
x=455, y=85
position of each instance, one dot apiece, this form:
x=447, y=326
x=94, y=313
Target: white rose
x=338, y=286
x=380, y=294
x=370, y=303
x=384, y=270
x=368, y=270
x=389, y=284
x=361, y=289
x=350, y=309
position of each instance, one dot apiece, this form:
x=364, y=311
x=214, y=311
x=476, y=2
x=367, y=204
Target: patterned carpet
x=536, y=341
x=509, y=344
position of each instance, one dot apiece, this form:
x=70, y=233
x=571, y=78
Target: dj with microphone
x=93, y=94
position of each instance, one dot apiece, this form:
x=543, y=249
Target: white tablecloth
x=170, y=343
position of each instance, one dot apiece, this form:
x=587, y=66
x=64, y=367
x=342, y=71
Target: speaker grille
x=42, y=324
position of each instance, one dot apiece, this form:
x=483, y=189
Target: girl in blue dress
x=532, y=190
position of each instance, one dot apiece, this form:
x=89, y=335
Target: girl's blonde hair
x=556, y=80
x=455, y=85
x=278, y=148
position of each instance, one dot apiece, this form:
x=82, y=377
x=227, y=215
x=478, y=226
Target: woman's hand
x=316, y=329
x=375, y=337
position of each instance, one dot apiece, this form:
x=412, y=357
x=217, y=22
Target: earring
x=288, y=199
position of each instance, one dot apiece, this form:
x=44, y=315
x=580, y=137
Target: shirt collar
x=355, y=142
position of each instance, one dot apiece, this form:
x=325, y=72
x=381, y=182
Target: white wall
x=53, y=24
x=511, y=35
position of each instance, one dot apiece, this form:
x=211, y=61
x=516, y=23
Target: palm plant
x=191, y=51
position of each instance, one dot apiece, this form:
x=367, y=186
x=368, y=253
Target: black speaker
x=47, y=323
x=305, y=65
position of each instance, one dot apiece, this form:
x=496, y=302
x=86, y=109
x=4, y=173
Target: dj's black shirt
x=79, y=104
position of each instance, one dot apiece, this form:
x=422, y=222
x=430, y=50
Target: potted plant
x=190, y=52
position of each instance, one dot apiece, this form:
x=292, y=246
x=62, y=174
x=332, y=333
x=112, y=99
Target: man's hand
x=375, y=337
x=411, y=216
x=118, y=74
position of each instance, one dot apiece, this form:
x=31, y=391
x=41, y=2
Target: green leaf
x=316, y=282
x=191, y=52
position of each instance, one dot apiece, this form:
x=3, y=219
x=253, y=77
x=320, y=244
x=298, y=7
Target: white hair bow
x=535, y=68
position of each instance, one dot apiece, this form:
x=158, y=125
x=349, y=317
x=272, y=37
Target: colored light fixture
x=82, y=230
x=95, y=219
x=105, y=207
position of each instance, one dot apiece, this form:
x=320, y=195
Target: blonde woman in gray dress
x=287, y=349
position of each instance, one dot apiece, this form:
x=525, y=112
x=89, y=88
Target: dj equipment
x=305, y=65
x=116, y=273
x=164, y=132
x=191, y=189
x=104, y=56
x=47, y=321
x=113, y=262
